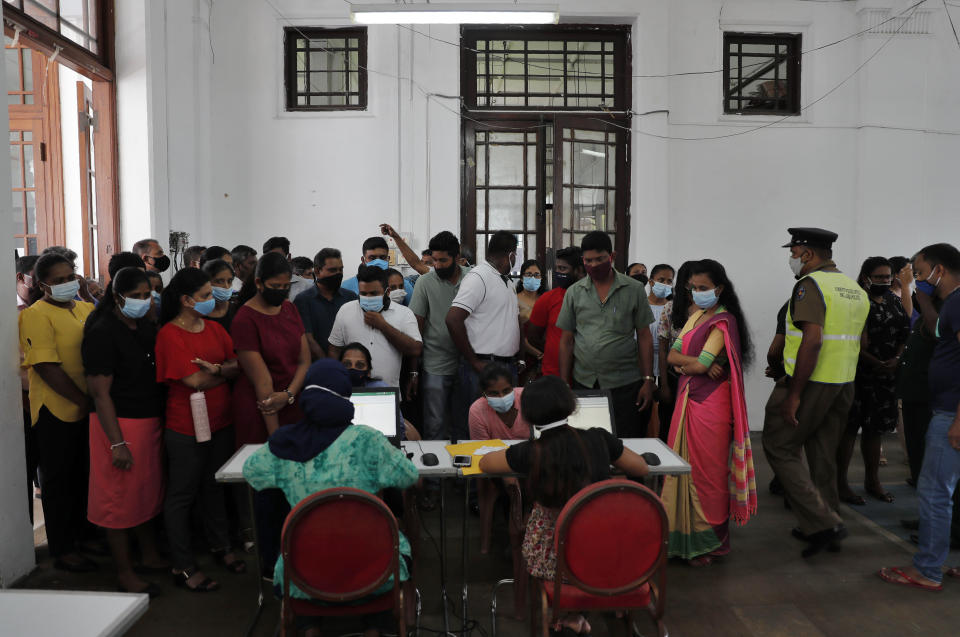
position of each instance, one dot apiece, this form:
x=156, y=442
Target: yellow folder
x=469, y=449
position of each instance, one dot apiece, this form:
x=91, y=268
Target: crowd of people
x=137, y=392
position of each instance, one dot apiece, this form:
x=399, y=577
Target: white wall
x=16, y=533
x=874, y=160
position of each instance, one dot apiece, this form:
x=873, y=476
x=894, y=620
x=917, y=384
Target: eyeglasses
x=533, y=275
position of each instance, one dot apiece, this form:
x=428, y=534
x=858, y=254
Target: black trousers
x=190, y=479
x=63, y=456
x=630, y=422
x=665, y=407
x=916, y=418
x=271, y=509
x=30, y=450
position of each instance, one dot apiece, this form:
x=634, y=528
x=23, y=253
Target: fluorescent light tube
x=594, y=153
x=459, y=13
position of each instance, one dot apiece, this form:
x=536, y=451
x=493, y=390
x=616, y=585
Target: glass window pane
x=17, y=200
x=27, y=70
x=611, y=210
x=506, y=165
x=13, y=70
x=28, y=98
x=44, y=11
x=506, y=209
x=481, y=210
x=32, y=246
x=16, y=181
x=28, y=167
x=31, y=212
x=531, y=210
x=590, y=164
x=481, y=160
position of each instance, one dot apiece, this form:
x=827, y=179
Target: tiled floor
x=764, y=588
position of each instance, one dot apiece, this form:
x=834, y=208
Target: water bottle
x=201, y=421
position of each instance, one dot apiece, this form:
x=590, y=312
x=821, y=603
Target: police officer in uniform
x=808, y=408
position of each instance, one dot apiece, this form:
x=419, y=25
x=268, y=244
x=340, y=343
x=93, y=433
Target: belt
x=509, y=360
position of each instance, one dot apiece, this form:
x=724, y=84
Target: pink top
x=485, y=423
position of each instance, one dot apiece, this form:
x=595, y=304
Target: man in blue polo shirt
x=937, y=270
x=376, y=254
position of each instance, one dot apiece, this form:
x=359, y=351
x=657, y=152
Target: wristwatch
x=290, y=398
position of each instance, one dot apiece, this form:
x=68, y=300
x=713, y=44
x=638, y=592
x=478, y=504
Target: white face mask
x=538, y=431
x=796, y=266
x=398, y=296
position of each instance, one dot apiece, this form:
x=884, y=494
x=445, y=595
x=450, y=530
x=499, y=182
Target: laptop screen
x=592, y=411
x=377, y=408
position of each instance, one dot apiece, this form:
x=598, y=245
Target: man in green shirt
x=606, y=341
x=446, y=397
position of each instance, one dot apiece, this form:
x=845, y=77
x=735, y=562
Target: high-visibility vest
x=847, y=310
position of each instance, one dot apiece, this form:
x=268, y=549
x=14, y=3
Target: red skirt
x=123, y=499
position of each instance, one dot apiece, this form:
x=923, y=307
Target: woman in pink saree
x=709, y=428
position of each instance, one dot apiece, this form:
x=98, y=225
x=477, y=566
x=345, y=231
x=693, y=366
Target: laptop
x=379, y=408
x=594, y=409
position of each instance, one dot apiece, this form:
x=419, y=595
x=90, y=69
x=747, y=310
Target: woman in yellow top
x=710, y=413
x=51, y=331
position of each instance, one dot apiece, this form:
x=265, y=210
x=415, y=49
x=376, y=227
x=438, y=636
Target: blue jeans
x=938, y=479
x=446, y=401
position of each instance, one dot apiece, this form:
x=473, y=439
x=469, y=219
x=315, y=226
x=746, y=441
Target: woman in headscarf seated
x=324, y=450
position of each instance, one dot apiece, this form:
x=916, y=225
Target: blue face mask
x=156, y=296
x=500, y=404
x=371, y=303
x=706, y=299
x=530, y=284
x=63, y=292
x=205, y=307
x=662, y=290
x=380, y=263
x=135, y=308
x=222, y=294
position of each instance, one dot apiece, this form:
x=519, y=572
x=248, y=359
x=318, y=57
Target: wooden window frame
x=620, y=35
x=793, y=42
x=290, y=35
x=100, y=69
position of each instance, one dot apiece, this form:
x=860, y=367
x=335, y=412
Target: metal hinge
x=88, y=121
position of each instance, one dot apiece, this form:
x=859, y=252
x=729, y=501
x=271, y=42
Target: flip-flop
x=854, y=499
x=884, y=496
x=953, y=572
x=906, y=580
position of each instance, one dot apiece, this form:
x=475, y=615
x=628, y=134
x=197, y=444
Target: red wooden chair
x=339, y=546
x=611, y=543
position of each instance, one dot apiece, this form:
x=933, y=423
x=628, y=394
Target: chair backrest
x=611, y=537
x=340, y=545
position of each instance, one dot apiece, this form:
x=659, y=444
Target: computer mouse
x=651, y=458
x=430, y=460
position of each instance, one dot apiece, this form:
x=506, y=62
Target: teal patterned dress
x=361, y=457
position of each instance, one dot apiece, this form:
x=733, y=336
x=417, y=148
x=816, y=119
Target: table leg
x=443, y=557
x=256, y=544
x=466, y=541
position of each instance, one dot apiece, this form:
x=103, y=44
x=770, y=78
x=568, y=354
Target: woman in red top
x=194, y=355
x=272, y=349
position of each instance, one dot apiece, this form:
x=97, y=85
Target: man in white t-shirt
x=484, y=320
x=388, y=330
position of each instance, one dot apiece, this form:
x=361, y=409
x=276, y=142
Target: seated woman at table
x=497, y=413
x=356, y=358
x=324, y=451
x=559, y=461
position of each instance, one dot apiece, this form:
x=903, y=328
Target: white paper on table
x=482, y=451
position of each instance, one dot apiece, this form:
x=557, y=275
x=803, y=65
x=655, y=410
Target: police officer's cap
x=811, y=238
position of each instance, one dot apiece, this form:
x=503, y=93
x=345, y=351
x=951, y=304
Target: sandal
x=702, y=560
x=906, y=580
x=235, y=566
x=853, y=499
x=206, y=586
x=953, y=572
x=883, y=496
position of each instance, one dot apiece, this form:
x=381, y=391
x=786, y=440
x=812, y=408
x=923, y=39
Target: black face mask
x=274, y=297
x=879, y=289
x=643, y=278
x=359, y=377
x=161, y=263
x=331, y=283
x=562, y=279
x=446, y=273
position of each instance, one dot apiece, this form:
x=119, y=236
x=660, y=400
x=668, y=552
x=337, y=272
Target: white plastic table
x=75, y=613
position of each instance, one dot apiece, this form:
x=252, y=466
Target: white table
x=75, y=613
x=670, y=463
